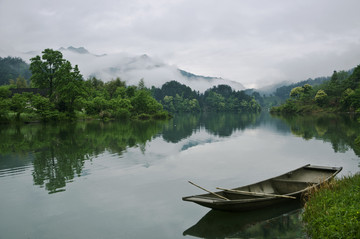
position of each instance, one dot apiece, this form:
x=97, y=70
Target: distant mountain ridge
x=79, y=50
x=132, y=68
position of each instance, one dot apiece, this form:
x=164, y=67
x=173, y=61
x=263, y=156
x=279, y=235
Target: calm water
x=126, y=180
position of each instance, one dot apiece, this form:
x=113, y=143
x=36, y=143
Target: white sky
x=254, y=42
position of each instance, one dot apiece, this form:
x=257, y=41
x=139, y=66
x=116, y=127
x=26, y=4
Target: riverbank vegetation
x=65, y=95
x=340, y=94
x=333, y=211
x=55, y=90
x=176, y=97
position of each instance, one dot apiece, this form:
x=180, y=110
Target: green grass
x=333, y=211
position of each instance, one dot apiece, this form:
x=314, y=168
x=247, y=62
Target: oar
x=256, y=194
x=222, y=197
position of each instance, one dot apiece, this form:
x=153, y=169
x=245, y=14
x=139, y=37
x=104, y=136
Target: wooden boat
x=280, y=189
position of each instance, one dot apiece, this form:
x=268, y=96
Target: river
x=126, y=179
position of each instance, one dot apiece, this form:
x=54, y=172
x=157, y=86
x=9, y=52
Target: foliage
x=47, y=70
x=19, y=104
x=176, y=97
x=321, y=97
x=20, y=82
x=296, y=92
x=333, y=211
x=44, y=108
x=65, y=83
x=142, y=102
x=4, y=109
x=283, y=92
x=12, y=68
x=340, y=94
x=70, y=96
x=5, y=92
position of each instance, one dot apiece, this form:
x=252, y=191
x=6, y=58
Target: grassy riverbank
x=333, y=211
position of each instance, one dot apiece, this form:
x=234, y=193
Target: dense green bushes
x=333, y=211
x=176, y=97
x=340, y=94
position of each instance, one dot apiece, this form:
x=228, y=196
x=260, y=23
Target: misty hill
x=78, y=50
x=11, y=68
x=133, y=68
x=283, y=92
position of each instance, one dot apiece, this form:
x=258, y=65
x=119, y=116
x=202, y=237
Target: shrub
x=143, y=116
x=160, y=115
x=122, y=114
x=321, y=97
x=333, y=211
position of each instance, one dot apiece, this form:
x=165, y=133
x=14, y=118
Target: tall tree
x=45, y=70
x=69, y=87
x=64, y=82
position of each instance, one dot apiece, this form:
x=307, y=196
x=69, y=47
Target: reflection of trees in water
x=220, y=124
x=60, y=151
x=225, y=125
x=340, y=130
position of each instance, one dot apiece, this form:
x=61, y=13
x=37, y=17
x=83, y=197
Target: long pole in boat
x=222, y=197
x=256, y=194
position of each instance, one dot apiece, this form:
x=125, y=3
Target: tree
x=143, y=103
x=307, y=89
x=21, y=82
x=19, y=103
x=44, y=107
x=334, y=77
x=354, y=78
x=215, y=101
x=69, y=87
x=296, y=92
x=46, y=70
x=4, y=92
x=141, y=85
x=321, y=97
x=64, y=82
x=112, y=86
x=168, y=103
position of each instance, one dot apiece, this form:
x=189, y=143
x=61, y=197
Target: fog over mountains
x=133, y=68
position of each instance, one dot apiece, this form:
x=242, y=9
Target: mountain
x=133, y=68
x=79, y=50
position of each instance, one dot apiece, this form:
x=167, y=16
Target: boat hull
x=268, y=192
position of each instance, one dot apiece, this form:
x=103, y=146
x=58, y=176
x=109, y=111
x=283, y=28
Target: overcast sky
x=249, y=41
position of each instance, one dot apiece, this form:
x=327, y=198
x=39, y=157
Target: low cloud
x=251, y=42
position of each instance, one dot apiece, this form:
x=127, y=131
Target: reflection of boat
x=286, y=187
x=219, y=224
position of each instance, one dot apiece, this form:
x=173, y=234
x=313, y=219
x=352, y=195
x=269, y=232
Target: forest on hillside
x=12, y=68
x=339, y=94
x=176, y=97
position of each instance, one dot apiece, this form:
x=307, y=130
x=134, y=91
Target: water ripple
x=8, y=172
